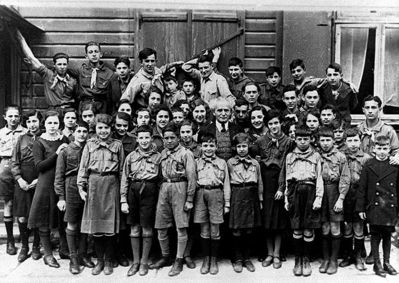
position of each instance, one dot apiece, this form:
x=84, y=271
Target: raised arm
x=30, y=57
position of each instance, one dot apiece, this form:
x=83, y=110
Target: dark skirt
x=44, y=212
x=244, y=207
x=330, y=197
x=301, y=213
x=275, y=217
x=350, y=214
x=7, y=182
x=142, y=199
x=23, y=199
x=74, y=203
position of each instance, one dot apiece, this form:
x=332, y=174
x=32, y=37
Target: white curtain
x=353, y=53
x=391, y=67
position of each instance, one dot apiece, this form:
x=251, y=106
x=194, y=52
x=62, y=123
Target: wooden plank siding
x=263, y=45
x=68, y=30
x=175, y=34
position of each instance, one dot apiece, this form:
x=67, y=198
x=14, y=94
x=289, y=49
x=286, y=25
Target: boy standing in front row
x=377, y=201
x=175, y=198
x=336, y=179
x=212, y=200
x=303, y=197
x=353, y=224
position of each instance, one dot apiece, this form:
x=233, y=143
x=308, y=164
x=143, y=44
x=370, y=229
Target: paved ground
x=35, y=271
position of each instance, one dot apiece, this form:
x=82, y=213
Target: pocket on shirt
x=85, y=80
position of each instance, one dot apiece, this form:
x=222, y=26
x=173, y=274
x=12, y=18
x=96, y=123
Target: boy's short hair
x=297, y=63
x=122, y=59
x=352, y=132
x=60, y=56
x=162, y=107
x=273, y=113
x=92, y=43
x=235, y=61
x=241, y=138
x=273, y=69
x=290, y=87
x=308, y=88
x=144, y=129
x=337, y=67
x=241, y=102
x=103, y=118
x=251, y=83
x=81, y=124
x=372, y=98
x=146, y=52
x=382, y=140
x=206, y=137
x=188, y=79
x=329, y=107
x=155, y=89
x=326, y=132
x=176, y=109
x=302, y=131
x=205, y=58
x=171, y=127
x=170, y=78
x=123, y=116
x=186, y=123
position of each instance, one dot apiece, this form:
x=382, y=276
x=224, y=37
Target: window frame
x=379, y=59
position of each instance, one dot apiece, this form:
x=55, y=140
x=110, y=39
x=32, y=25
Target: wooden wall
x=176, y=35
x=67, y=30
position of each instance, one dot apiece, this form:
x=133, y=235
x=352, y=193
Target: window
x=369, y=55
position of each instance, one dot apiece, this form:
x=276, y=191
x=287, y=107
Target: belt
x=104, y=173
x=306, y=182
x=218, y=187
x=330, y=182
x=5, y=157
x=153, y=180
x=245, y=185
x=174, y=180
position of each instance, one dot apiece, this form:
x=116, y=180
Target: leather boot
x=164, y=261
x=307, y=269
x=108, y=268
x=378, y=268
x=298, y=266
x=214, y=269
x=177, y=267
x=325, y=244
x=389, y=268
x=333, y=265
x=74, y=266
x=98, y=267
x=359, y=262
x=347, y=252
x=205, y=265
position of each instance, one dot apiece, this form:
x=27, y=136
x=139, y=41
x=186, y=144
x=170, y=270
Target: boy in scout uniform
x=336, y=177
x=212, y=200
x=175, y=197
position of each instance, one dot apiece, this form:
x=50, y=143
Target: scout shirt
x=194, y=147
x=272, y=96
x=213, y=171
x=335, y=169
x=58, y=90
x=8, y=140
x=304, y=166
x=245, y=170
x=368, y=135
x=139, y=165
x=179, y=163
x=211, y=87
x=100, y=157
x=101, y=90
x=138, y=89
x=22, y=154
x=237, y=85
x=67, y=165
x=356, y=163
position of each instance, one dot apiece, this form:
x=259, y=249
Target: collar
x=352, y=156
x=307, y=152
x=125, y=81
x=147, y=75
x=242, y=160
x=170, y=151
x=208, y=159
x=18, y=129
x=151, y=151
x=219, y=126
x=210, y=78
x=89, y=67
x=334, y=150
x=377, y=128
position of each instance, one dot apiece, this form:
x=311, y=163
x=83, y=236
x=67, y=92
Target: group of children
x=230, y=155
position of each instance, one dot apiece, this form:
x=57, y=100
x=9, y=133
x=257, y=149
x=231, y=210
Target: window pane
x=391, y=71
x=357, y=57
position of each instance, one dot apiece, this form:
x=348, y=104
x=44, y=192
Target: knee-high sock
x=206, y=247
x=82, y=250
x=71, y=237
x=386, y=245
x=335, y=244
x=215, y=244
x=181, y=244
x=375, y=243
x=135, y=242
x=9, y=222
x=147, y=243
x=298, y=247
x=164, y=243
x=24, y=233
x=187, y=251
